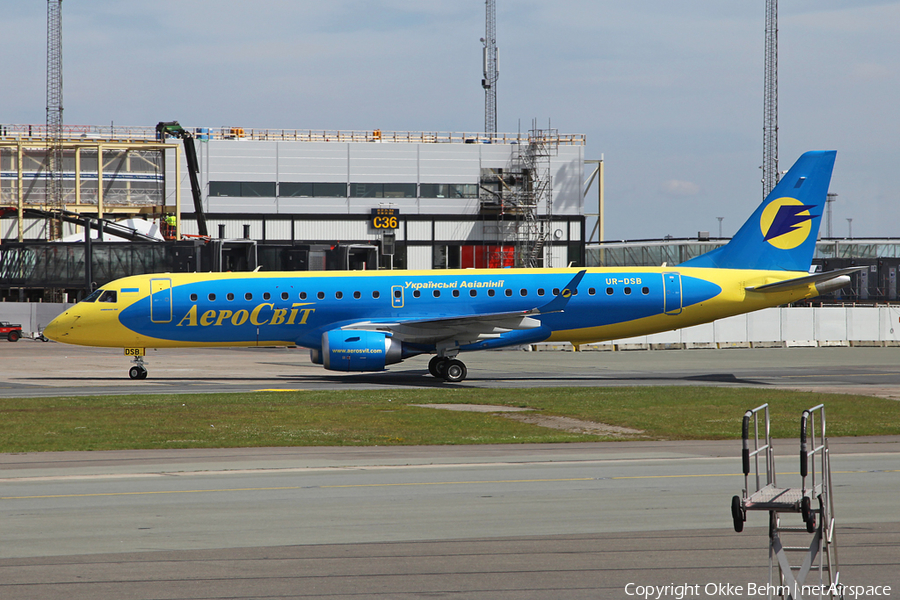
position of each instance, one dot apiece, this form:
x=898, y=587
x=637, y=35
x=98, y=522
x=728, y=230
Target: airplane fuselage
x=295, y=308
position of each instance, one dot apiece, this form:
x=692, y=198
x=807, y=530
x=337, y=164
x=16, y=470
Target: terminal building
x=280, y=199
x=311, y=200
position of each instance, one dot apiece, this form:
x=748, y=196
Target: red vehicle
x=11, y=331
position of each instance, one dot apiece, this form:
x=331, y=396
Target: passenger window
x=473, y=293
x=556, y=291
x=416, y=294
x=456, y=293
x=523, y=292
x=398, y=293
x=284, y=295
x=266, y=296
x=540, y=291
x=592, y=291
x=508, y=292
x=356, y=295
x=303, y=295
x=645, y=290
x=339, y=295
x=376, y=294
x=609, y=291
x=229, y=296
x=248, y=296
x=193, y=297
x=320, y=295
x=437, y=293
x=212, y=297
x=627, y=291
x=491, y=293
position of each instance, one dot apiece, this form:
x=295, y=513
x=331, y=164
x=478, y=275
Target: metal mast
x=491, y=67
x=770, y=110
x=54, y=189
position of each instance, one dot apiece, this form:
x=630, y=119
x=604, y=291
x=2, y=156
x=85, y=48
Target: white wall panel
x=575, y=231
x=228, y=204
x=699, y=333
x=889, y=322
x=732, y=329
x=383, y=163
x=798, y=324
x=831, y=324
x=450, y=163
x=556, y=256
x=418, y=230
x=316, y=206
x=458, y=230
x=330, y=231
x=418, y=257
x=278, y=230
x=314, y=162
x=862, y=324
x=245, y=160
x=764, y=325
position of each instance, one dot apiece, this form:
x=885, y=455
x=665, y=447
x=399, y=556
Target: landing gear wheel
x=437, y=366
x=137, y=372
x=737, y=514
x=455, y=371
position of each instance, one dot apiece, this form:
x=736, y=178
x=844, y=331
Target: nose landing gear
x=138, y=370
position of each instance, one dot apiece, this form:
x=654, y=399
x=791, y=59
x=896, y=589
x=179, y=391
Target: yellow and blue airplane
x=364, y=321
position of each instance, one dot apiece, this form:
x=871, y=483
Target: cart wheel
x=737, y=514
x=804, y=509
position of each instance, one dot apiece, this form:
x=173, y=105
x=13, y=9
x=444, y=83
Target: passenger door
x=161, y=300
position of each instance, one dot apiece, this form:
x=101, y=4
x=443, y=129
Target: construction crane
x=770, y=93
x=491, y=68
x=173, y=129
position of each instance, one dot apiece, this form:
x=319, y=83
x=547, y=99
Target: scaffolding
x=520, y=197
x=812, y=501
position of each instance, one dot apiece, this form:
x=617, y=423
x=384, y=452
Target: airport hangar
x=299, y=199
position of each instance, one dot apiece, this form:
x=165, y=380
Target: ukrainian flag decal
x=786, y=223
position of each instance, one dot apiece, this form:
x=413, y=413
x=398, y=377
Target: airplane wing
x=469, y=328
x=825, y=282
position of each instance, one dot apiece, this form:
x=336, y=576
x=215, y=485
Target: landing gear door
x=672, y=297
x=161, y=300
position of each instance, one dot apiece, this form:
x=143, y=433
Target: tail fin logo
x=786, y=223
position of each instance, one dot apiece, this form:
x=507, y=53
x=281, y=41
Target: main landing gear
x=138, y=370
x=448, y=369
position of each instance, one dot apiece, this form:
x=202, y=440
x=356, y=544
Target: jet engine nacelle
x=357, y=350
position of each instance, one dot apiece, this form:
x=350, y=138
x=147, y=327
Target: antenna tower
x=491, y=67
x=54, y=189
x=770, y=111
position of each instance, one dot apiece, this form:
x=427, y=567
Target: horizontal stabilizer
x=839, y=278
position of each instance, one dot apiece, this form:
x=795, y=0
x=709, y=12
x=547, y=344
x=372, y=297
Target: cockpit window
x=108, y=296
x=93, y=297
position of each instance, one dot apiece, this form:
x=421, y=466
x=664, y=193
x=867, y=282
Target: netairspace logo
x=725, y=590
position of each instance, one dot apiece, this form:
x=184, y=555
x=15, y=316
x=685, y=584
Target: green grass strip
x=388, y=417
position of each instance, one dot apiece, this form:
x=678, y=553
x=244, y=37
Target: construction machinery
x=174, y=129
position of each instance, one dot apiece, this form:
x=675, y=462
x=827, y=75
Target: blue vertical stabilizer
x=781, y=234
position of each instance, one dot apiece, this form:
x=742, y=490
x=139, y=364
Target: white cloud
x=675, y=187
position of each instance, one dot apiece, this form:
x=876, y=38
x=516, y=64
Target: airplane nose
x=59, y=328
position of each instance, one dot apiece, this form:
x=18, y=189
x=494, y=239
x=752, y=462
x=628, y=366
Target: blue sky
x=670, y=93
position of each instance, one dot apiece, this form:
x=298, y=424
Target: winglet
x=559, y=303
